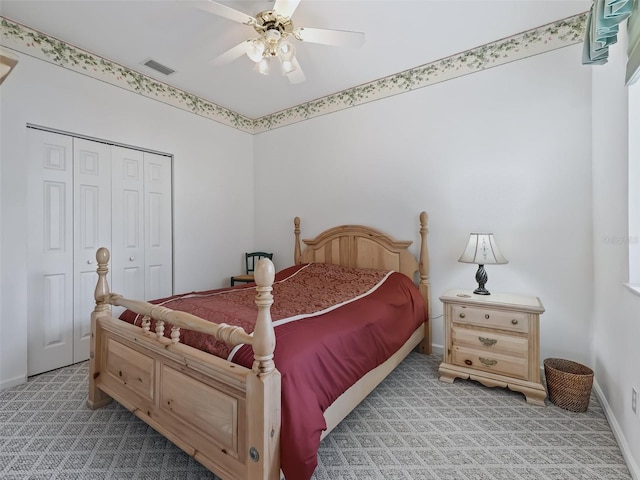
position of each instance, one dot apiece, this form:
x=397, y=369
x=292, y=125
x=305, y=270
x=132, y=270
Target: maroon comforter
x=321, y=350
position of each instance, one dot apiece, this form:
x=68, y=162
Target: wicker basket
x=568, y=384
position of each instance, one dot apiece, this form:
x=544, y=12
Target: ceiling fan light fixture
x=288, y=66
x=262, y=66
x=286, y=51
x=256, y=50
x=275, y=31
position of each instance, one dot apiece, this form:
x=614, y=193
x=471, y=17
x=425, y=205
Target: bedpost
x=425, y=285
x=297, y=253
x=263, y=385
x=264, y=338
x=97, y=398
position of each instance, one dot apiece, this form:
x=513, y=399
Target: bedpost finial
x=102, y=255
x=297, y=252
x=423, y=218
x=102, y=285
x=264, y=273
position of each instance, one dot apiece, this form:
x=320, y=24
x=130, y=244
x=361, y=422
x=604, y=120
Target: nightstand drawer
x=498, y=364
x=490, y=342
x=513, y=321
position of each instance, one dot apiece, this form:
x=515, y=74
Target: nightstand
x=493, y=339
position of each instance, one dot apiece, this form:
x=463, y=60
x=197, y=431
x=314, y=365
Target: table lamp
x=482, y=250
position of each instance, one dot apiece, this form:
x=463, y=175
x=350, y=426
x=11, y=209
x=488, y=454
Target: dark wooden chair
x=250, y=260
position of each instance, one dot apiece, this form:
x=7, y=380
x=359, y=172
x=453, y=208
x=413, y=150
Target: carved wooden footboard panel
x=224, y=415
x=198, y=405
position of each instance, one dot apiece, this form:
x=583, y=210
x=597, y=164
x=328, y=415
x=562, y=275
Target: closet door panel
x=158, y=226
x=50, y=251
x=92, y=230
x=127, y=255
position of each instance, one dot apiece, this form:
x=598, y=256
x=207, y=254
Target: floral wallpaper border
x=552, y=36
x=33, y=43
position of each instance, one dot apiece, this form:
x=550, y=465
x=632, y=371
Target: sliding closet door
x=84, y=195
x=141, y=263
x=92, y=230
x=127, y=254
x=50, y=251
x=69, y=219
x=157, y=224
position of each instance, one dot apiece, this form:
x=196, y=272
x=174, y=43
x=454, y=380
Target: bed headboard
x=365, y=247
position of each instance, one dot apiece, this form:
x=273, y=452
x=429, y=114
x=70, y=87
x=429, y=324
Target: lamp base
x=481, y=278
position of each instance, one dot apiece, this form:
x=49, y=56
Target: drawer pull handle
x=488, y=362
x=487, y=342
x=514, y=321
x=486, y=316
x=468, y=362
x=462, y=315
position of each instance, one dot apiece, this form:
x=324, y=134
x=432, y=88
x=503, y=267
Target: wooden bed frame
x=224, y=415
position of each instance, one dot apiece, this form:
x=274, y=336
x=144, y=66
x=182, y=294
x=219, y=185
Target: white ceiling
x=399, y=35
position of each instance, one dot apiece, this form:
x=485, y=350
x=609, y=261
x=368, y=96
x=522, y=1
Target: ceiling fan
x=275, y=31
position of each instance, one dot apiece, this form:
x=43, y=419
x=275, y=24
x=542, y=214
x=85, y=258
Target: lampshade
x=255, y=50
x=482, y=250
x=287, y=66
x=286, y=50
x=262, y=66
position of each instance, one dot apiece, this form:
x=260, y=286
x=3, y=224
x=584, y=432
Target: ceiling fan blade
x=231, y=54
x=297, y=76
x=338, y=38
x=227, y=12
x=285, y=8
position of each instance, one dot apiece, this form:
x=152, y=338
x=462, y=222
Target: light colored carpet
x=411, y=427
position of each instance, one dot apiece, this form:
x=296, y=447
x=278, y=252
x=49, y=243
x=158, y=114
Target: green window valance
x=602, y=29
x=633, y=51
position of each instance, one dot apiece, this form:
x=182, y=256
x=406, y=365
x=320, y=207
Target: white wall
x=616, y=333
x=212, y=163
x=505, y=150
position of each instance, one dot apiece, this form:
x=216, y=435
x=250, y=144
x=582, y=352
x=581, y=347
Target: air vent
x=159, y=67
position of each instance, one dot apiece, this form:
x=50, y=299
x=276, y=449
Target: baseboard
x=617, y=432
x=438, y=349
x=13, y=382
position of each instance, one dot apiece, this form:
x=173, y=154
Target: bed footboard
x=224, y=415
